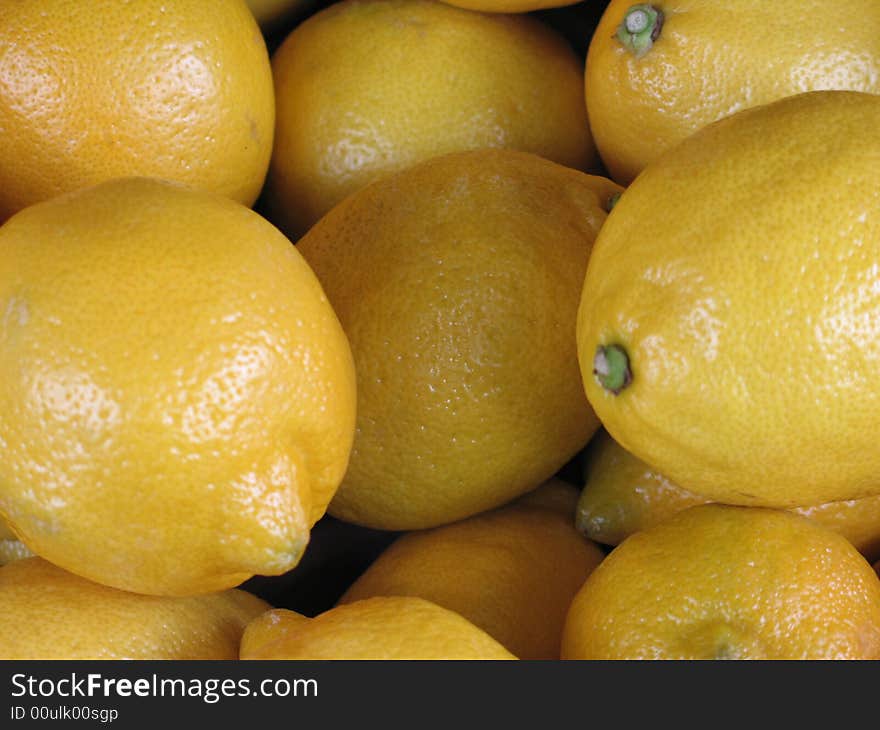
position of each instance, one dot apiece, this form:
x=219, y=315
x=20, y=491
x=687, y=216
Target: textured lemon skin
x=623, y=495
x=457, y=282
x=178, y=395
x=396, y=627
x=509, y=6
x=48, y=613
x=713, y=60
x=739, y=274
x=512, y=571
x=95, y=90
x=724, y=582
x=368, y=87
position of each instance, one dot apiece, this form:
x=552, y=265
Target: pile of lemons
x=409, y=265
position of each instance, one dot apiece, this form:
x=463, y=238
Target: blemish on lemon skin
x=716, y=639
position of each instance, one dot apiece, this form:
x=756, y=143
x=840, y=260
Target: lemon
x=724, y=582
x=178, y=393
x=399, y=627
x=656, y=73
x=729, y=329
x=509, y=6
x=512, y=571
x=457, y=282
x=95, y=90
x=365, y=88
x=48, y=613
x=623, y=495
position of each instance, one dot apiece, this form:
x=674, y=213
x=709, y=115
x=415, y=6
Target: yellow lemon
x=367, y=87
x=512, y=571
x=457, y=282
x=398, y=627
x=95, y=90
x=509, y=6
x=623, y=495
x=729, y=330
x=178, y=395
x=656, y=73
x=723, y=582
x=48, y=613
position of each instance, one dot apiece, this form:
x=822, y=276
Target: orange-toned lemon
x=400, y=627
x=95, y=90
x=512, y=571
x=457, y=283
x=48, y=613
x=724, y=582
x=366, y=88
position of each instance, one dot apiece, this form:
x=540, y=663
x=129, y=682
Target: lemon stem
x=611, y=368
x=639, y=28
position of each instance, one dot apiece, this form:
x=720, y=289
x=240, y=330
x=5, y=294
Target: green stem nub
x=640, y=28
x=611, y=368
